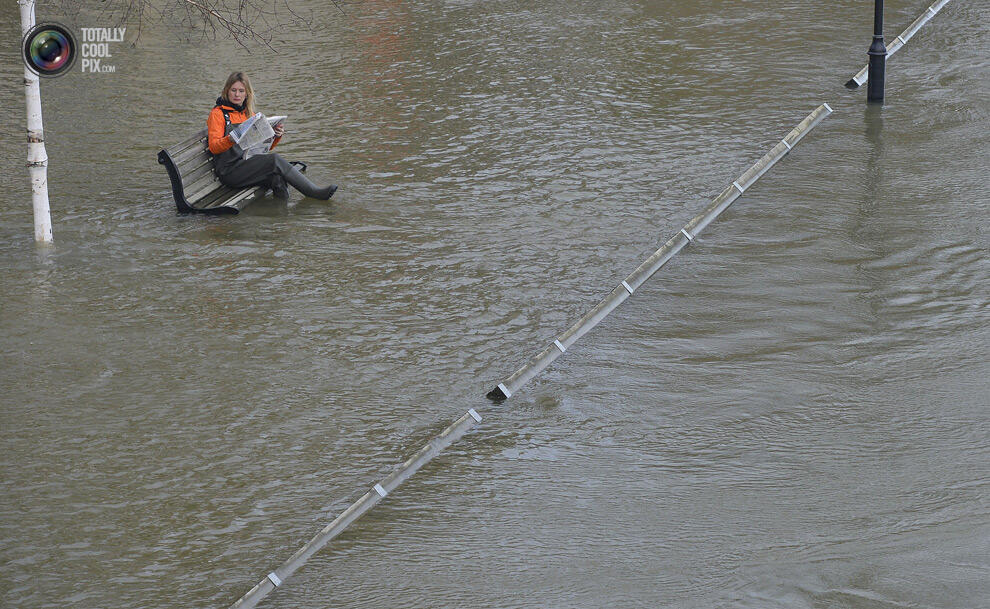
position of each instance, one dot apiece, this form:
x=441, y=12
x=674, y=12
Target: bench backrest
x=195, y=186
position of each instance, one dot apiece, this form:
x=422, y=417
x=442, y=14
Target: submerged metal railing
x=652, y=264
x=863, y=75
x=357, y=509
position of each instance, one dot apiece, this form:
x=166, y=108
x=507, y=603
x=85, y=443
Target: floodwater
x=792, y=413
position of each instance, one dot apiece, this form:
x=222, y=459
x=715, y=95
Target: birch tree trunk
x=37, y=156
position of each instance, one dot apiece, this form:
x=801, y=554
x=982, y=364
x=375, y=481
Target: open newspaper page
x=255, y=135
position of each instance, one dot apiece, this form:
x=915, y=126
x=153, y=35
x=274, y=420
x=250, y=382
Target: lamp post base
x=877, y=70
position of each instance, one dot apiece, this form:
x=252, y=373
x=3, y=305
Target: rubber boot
x=301, y=183
x=280, y=190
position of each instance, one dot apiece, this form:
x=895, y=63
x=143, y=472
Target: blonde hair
x=248, y=98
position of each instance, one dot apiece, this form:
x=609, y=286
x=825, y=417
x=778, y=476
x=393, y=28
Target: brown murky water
x=792, y=413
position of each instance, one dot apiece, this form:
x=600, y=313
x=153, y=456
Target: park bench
x=195, y=186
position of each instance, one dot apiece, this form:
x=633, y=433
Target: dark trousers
x=266, y=170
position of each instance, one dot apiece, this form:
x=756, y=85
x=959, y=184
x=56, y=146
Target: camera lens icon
x=49, y=49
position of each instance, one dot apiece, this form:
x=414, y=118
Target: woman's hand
x=279, y=129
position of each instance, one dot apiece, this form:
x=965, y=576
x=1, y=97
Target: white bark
x=37, y=156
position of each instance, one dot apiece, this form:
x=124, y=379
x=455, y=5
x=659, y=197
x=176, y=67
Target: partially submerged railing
x=652, y=264
x=357, y=509
x=863, y=75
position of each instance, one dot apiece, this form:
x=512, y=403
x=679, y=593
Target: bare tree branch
x=247, y=22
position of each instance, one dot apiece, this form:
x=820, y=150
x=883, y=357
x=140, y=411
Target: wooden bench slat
x=203, y=189
x=217, y=196
x=179, y=153
x=186, y=144
x=241, y=199
x=192, y=174
x=191, y=155
x=227, y=197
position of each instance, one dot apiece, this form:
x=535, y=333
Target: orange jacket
x=215, y=127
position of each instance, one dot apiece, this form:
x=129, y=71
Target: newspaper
x=255, y=135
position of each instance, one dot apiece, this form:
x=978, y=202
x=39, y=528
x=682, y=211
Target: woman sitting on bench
x=234, y=106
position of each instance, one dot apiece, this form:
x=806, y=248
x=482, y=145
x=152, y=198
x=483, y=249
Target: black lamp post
x=878, y=57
